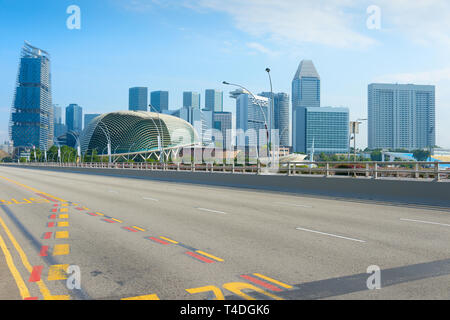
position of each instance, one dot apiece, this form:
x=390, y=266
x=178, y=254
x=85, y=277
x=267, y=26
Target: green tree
x=421, y=155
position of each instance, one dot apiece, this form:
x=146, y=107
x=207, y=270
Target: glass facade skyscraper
x=280, y=115
x=191, y=99
x=159, y=101
x=88, y=118
x=401, y=116
x=74, y=118
x=32, y=120
x=305, y=94
x=138, y=99
x=214, y=100
x=328, y=128
x=222, y=121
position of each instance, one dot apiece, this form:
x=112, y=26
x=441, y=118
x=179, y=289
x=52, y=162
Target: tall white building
x=401, y=116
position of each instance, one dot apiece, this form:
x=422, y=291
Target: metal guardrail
x=430, y=171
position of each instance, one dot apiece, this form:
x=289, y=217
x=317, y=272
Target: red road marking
x=201, y=258
x=44, y=250
x=53, y=216
x=51, y=224
x=157, y=240
x=79, y=209
x=130, y=229
x=36, y=274
x=92, y=214
x=45, y=197
x=261, y=283
x=55, y=205
x=47, y=235
x=31, y=298
x=54, y=210
x=107, y=220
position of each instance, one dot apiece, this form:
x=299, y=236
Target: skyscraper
x=280, y=115
x=59, y=127
x=32, y=120
x=159, y=101
x=74, y=118
x=222, y=121
x=305, y=93
x=214, y=100
x=326, y=129
x=401, y=116
x=138, y=99
x=191, y=99
x=251, y=115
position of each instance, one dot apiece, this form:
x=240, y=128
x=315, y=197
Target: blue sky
x=196, y=44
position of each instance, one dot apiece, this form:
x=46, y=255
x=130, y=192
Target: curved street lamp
x=159, y=133
x=257, y=102
x=108, y=138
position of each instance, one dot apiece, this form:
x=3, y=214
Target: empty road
x=125, y=238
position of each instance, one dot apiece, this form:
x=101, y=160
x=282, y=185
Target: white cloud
x=323, y=22
x=424, y=77
x=260, y=48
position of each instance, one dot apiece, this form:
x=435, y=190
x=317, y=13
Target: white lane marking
x=152, y=199
x=113, y=191
x=428, y=222
x=293, y=204
x=209, y=210
x=330, y=234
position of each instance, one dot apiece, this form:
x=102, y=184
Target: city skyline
x=237, y=53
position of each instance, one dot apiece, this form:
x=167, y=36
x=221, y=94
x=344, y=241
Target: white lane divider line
x=152, y=199
x=113, y=191
x=209, y=210
x=427, y=222
x=293, y=204
x=330, y=234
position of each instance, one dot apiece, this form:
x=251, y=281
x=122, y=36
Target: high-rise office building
x=191, y=99
x=138, y=99
x=59, y=127
x=305, y=94
x=159, y=101
x=326, y=130
x=201, y=120
x=74, y=118
x=401, y=116
x=251, y=115
x=214, y=100
x=88, y=117
x=222, y=121
x=31, y=122
x=280, y=117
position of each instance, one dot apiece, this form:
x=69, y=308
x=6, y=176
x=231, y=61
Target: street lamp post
x=260, y=107
x=108, y=139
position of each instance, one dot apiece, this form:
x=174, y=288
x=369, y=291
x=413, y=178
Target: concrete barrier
x=393, y=191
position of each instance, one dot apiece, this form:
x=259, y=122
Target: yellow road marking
x=170, y=240
x=33, y=189
x=64, y=210
x=64, y=216
x=17, y=202
x=210, y=255
x=146, y=297
x=284, y=285
x=15, y=273
x=61, y=234
x=63, y=224
x=117, y=220
x=42, y=287
x=57, y=272
x=64, y=204
x=101, y=214
x=217, y=292
x=6, y=202
x=137, y=228
x=61, y=249
x=238, y=287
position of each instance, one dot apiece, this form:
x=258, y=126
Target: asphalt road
x=126, y=238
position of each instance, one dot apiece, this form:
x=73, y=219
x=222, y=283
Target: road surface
x=125, y=238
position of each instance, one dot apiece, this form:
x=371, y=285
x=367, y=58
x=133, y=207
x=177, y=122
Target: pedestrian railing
x=432, y=171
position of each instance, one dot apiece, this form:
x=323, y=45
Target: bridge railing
x=430, y=171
